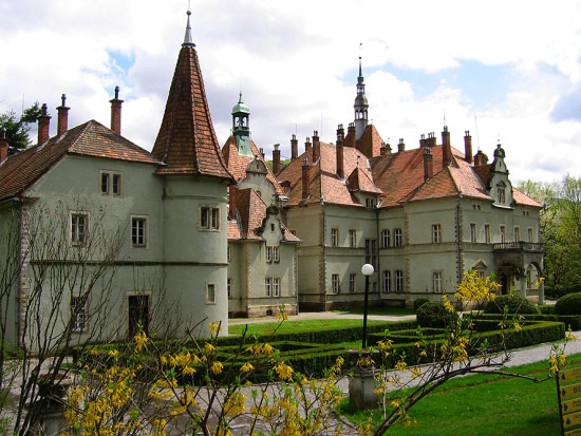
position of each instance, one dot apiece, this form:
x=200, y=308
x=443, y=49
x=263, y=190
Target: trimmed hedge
x=515, y=304
x=569, y=304
x=434, y=314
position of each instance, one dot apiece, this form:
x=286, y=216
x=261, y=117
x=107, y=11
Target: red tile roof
x=21, y=170
x=237, y=164
x=186, y=141
x=250, y=211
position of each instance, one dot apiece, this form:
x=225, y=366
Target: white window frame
x=229, y=287
x=276, y=254
x=210, y=293
x=397, y=237
x=436, y=233
x=487, y=233
x=437, y=282
x=110, y=183
x=210, y=218
x=473, y=234
x=276, y=287
x=268, y=287
x=268, y=253
x=334, y=237
x=335, y=284
x=79, y=238
x=139, y=239
x=386, y=281
x=502, y=233
x=385, y=238
x=399, y=282
x=352, y=238
x=352, y=282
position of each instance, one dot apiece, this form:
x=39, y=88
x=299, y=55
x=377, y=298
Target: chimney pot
x=401, y=145
x=43, y=125
x=116, y=112
x=305, y=178
x=340, y=152
x=276, y=159
x=308, y=144
x=467, y=147
x=294, y=147
x=446, y=148
x=428, y=164
x=63, y=116
x=316, y=146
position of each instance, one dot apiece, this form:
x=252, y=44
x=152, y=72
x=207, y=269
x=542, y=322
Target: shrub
x=419, y=303
x=434, y=314
x=569, y=304
x=515, y=304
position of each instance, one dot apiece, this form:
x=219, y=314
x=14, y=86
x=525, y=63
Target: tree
x=16, y=128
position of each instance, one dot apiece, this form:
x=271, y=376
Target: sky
x=507, y=71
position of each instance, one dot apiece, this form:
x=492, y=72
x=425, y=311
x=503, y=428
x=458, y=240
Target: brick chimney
x=423, y=141
x=294, y=147
x=116, y=112
x=446, y=148
x=467, y=147
x=43, y=125
x=480, y=159
x=305, y=178
x=428, y=163
x=3, y=146
x=62, y=117
x=400, y=145
x=351, y=136
x=316, y=146
x=431, y=140
x=261, y=150
x=339, y=151
x=276, y=159
x=308, y=144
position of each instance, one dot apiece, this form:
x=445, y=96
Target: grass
x=486, y=405
x=265, y=329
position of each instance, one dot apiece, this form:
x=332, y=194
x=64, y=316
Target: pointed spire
x=188, y=41
x=361, y=105
x=186, y=141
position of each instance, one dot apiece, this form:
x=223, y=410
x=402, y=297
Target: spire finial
x=240, y=98
x=188, y=42
x=360, y=49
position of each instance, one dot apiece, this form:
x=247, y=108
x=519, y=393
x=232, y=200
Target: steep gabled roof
x=186, y=141
x=251, y=211
x=237, y=164
x=370, y=142
x=21, y=170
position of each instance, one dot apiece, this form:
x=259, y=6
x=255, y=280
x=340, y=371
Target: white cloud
x=296, y=64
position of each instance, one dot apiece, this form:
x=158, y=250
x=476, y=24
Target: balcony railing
x=518, y=246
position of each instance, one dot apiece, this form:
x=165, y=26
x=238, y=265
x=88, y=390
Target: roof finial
x=360, y=49
x=188, y=42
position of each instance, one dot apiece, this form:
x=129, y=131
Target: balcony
x=530, y=247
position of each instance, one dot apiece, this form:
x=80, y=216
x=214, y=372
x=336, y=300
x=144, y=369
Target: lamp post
x=366, y=270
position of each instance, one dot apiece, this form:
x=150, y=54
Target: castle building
x=108, y=235
x=422, y=217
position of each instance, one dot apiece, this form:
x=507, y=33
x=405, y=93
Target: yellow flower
x=217, y=367
x=140, y=340
x=247, y=367
x=113, y=353
x=209, y=348
x=284, y=371
x=215, y=328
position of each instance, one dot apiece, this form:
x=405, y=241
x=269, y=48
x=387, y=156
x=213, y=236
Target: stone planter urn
x=362, y=382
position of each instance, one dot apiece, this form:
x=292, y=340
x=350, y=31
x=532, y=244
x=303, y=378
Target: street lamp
x=366, y=270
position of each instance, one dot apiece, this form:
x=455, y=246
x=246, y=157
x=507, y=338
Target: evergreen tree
x=17, y=128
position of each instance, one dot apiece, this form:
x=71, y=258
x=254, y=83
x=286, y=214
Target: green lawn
x=488, y=405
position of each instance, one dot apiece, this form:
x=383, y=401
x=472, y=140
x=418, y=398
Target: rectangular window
x=530, y=234
x=138, y=316
x=275, y=254
x=386, y=281
x=399, y=281
x=276, y=287
x=139, y=231
x=229, y=287
x=268, y=254
x=502, y=234
x=487, y=233
x=397, y=238
x=437, y=281
x=229, y=254
x=334, y=237
x=79, y=228
x=352, y=282
x=385, y=239
x=335, y=283
x=79, y=313
x=370, y=202
x=210, y=293
x=517, y=234
x=370, y=251
x=110, y=183
x=472, y=232
x=436, y=233
x=210, y=218
x=268, y=286
x=352, y=238
x=501, y=194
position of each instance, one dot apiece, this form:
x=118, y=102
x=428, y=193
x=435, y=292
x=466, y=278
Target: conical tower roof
x=186, y=142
